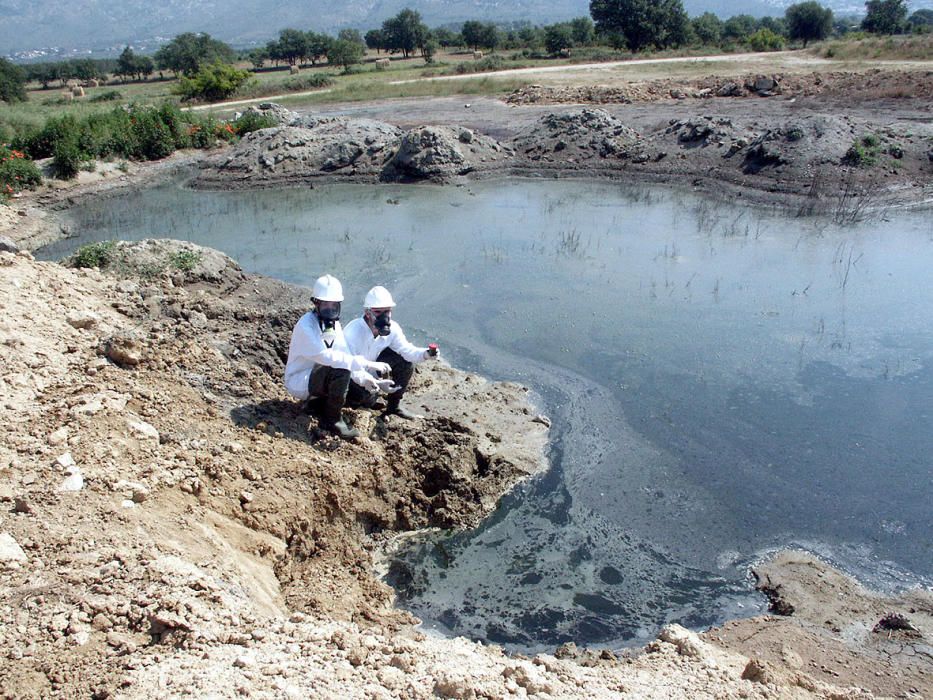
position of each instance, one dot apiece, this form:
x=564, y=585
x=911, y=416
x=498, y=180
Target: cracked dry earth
x=172, y=525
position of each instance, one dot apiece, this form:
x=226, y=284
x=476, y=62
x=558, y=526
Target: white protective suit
x=361, y=342
x=307, y=349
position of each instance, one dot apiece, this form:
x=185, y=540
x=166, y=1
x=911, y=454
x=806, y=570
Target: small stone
x=74, y=481
x=244, y=661
x=143, y=429
x=59, y=436
x=10, y=550
x=65, y=461
x=82, y=319
x=80, y=638
x=101, y=622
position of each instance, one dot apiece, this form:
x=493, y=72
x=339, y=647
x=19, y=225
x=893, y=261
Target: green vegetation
x=212, y=82
x=185, y=260
x=95, y=254
x=864, y=152
x=885, y=16
x=108, y=96
x=765, y=40
x=310, y=81
x=252, y=121
x=129, y=65
x=138, y=133
x=858, y=45
x=641, y=24
x=188, y=52
x=12, y=82
x=808, y=21
x=17, y=173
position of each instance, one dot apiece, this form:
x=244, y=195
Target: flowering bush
x=17, y=172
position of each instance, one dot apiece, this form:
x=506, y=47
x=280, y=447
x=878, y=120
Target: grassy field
x=365, y=82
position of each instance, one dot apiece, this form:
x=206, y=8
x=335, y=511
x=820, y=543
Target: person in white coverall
x=377, y=337
x=320, y=362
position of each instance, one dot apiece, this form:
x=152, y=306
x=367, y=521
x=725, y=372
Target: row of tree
x=632, y=24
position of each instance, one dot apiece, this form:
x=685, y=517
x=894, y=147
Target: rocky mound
x=874, y=84
x=441, y=152
x=294, y=154
x=575, y=136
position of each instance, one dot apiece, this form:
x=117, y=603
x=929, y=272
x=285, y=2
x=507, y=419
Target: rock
x=10, y=551
x=21, y=505
x=65, y=461
x=127, y=286
x=143, y=429
x=80, y=638
x=82, y=319
x=101, y=622
x=730, y=89
x=74, y=480
x=687, y=642
x=466, y=136
x=762, y=84
x=244, y=661
x=59, y=436
x=123, y=350
x=759, y=671
x=450, y=685
x=7, y=245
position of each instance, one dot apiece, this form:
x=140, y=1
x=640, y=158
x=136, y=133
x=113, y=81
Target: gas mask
x=382, y=322
x=329, y=315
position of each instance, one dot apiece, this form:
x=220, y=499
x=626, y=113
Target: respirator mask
x=382, y=322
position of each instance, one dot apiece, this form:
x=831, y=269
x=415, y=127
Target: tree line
x=635, y=25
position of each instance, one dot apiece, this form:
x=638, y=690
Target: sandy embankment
x=215, y=547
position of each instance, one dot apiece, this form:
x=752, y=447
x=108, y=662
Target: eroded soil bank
x=172, y=525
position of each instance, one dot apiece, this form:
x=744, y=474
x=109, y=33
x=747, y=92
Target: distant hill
x=101, y=24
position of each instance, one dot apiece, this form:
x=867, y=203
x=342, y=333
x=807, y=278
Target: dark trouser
x=402, y=370
x=331, y=384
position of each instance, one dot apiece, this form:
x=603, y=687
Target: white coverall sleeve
x=400, y=344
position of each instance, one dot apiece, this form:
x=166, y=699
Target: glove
x=429, y=355
x=379, y=369
x=369, y=384
x=386, y=386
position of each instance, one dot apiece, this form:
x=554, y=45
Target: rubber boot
x=395, y=409
x=333, y=421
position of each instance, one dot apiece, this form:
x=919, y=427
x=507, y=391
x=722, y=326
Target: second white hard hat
x=378, y=298
x=327, y=288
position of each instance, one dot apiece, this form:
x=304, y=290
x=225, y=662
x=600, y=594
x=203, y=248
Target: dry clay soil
x=172, y=524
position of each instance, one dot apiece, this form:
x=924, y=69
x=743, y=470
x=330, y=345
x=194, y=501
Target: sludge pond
x=722, y=381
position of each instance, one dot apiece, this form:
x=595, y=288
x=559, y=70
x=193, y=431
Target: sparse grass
x=860, y=47
x=865, y=152
x=185, y=260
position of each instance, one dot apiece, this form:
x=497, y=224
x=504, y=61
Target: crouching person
x=320, y=361
x=377, y=337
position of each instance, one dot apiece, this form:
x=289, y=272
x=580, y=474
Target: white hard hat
x=378, y=298
x=327, y=288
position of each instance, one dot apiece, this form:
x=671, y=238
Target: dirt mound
x=441, y=152
x=576, y=135
x=870, y=85
x=294, y=154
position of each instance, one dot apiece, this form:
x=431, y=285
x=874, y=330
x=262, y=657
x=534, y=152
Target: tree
x=212, y=82
x=129, y=65
x=351, y=35
x=344, y=52
x=643, y=23
x=583, y=31
x=258, y=57
x=375, y=40
x=808, y=21
x=405, y=32
x=318, y=46
x=707, y=28
x=472, y=33
x=557, y=38
x=765, y=40
x=186, y=53
x=921, y=21
x=447, y=37
x=12, y=82
x=739, y=27
x=885, y=16
x=292, y=46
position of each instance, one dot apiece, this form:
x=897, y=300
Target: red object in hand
x=432, y=349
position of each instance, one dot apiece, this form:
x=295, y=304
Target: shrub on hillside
x=17, y=172
x=765, y=40
x=213, y=82
x=308, y=82
x=251, y=121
